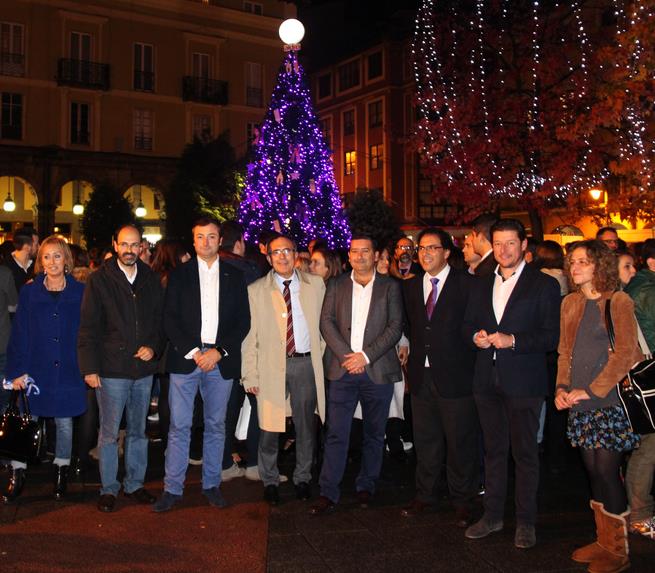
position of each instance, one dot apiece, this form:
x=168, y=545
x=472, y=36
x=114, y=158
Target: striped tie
x=291, y=343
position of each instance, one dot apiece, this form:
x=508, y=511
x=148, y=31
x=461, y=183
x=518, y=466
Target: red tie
x=291, y=344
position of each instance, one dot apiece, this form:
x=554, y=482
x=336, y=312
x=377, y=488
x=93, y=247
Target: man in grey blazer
x=361, y=323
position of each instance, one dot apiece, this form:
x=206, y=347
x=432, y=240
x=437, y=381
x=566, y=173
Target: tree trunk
x=536, y=223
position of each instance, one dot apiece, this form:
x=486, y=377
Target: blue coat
x=43, y=344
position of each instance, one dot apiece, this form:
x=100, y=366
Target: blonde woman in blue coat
x=43, y=347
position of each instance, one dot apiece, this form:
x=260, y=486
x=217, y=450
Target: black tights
x=603, y=467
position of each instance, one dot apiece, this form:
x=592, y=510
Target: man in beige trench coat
x=282, y=356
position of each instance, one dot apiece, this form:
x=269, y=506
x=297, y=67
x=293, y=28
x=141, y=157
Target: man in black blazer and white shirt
x=206, y=318
x=512, y=319
x=361, y=322
x=440, y=376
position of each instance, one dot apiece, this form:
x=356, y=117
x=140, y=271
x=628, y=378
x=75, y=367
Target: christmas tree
x=290, y=185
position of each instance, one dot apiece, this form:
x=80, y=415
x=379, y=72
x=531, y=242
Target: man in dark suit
x=481, y=238
x=206, y=317
x=361, y=323
x=440, y=376
x=512, y=318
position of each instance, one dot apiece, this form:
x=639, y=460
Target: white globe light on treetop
x=291, y=31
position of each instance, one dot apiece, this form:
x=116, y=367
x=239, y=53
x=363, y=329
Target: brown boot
x=592, y=551
x=613, y=539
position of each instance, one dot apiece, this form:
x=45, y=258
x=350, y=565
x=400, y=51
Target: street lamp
x=291, y=33
x=140, y=210
x=9, y=204
x=78, y=208
x=596, y=193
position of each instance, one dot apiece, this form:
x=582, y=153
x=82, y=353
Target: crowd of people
x=473, y=354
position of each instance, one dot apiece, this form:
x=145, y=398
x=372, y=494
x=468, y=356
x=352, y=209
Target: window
x=375, y=156
x=144, y=70
x=374, y=65
x=252, y=133
x=80, y=52
x=350, y=163
x=349, y=122
x=253, y=8
x=79, y=126
x=11, y=112
x=349, y=75
x=254, y=91
x=200, y=65
x=375, y=114
x=324, y=86
x=12, y=56
x=202, y=126
x=325, y=126
x=143, y=129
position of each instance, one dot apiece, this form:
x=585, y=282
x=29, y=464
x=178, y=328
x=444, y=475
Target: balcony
x=143, y=143
x=80, y=137
x=144, y=81
x=204, y=90
x=12, y=64
x=11, y=131
x=83, y=74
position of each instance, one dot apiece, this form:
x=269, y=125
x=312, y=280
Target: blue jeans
x=342, y=398
x=114, y=396
x=215, y=391
x=63, y=447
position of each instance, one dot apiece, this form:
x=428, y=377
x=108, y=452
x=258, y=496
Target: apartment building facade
x=112, y=90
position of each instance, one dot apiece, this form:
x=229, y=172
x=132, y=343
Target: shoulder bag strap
x=608, y=322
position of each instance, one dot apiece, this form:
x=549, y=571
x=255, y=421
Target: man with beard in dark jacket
x=119, y=341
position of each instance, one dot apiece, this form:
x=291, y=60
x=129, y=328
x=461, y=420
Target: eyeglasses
x=429, y=248
x=404, y=248
x=277, y=252
x=130, y=246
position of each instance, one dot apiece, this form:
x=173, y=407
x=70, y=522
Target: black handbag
x=637, y=390
x=20, y=436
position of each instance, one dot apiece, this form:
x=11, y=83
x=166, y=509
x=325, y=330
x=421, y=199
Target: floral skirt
x=606, y=428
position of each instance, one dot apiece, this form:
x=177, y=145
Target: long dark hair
x=168, y=255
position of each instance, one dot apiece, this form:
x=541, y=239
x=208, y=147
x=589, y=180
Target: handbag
x=637, y=390
x=20, y=436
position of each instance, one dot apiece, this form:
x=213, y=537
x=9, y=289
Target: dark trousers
x=510, y=421
x=445, y=432
x=231, y=420
x=342, y=398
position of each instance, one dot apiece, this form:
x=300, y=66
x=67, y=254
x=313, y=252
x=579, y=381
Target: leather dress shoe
x=463, y=517
x=106, y=503
x=303, y=491
x=415, y=507
x=322, y=506
x=272, y=494
x=141, y=495
x=364, y=498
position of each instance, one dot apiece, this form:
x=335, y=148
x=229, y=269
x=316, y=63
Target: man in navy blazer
x=512, y=319
x=440, y=377
x=206, y=318
x=361, y=323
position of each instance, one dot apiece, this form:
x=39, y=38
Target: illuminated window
x=351, y=162
x=375, y=156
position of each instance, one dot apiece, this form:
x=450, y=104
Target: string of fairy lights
x=445, y=91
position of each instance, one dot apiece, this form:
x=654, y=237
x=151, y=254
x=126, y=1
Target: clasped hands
x=564, y=399
x=498, y=340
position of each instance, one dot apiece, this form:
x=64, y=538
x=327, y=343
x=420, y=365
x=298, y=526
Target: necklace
x=47, y=286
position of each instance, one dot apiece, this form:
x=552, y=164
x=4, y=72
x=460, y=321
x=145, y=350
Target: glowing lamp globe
x=291, y=31
x=140, y=211
x=596, y=193
x=9, y=204
x=78, y=209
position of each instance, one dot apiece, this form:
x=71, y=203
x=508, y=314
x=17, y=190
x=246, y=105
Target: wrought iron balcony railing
x=12, y=64
x=204, y=90
x=83, y=74
x=141, y=142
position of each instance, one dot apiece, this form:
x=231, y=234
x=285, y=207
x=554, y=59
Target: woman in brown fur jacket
x=588, y=373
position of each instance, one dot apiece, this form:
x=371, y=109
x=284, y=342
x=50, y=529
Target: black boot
x=60, y=481
x=15, y=485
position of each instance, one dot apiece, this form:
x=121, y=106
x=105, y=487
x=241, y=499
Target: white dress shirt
x=361, y=303
x=503, y=289
x=122, y=267
x=300, y=329
x=209, y=290
x=427, y=289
